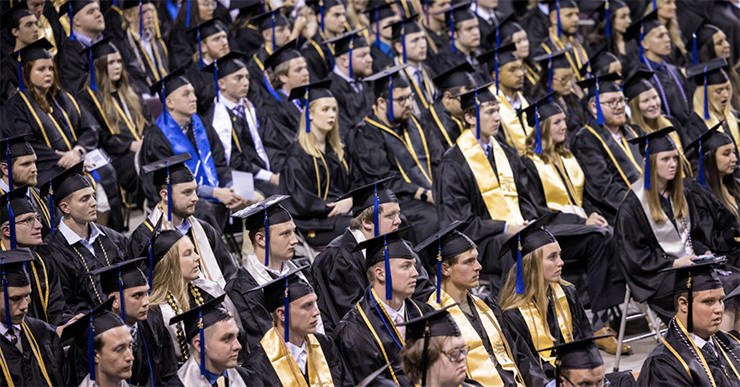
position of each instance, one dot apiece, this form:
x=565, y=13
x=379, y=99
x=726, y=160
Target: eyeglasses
x=30, y=221
x=600, y=383
x=207, y=3
x=563, y=80
x=614, y=103
x=458, y=354
x=405, y=99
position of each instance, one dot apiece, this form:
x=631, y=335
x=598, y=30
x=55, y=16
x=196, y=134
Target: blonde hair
x=549, y=149
x=673, y=29
x=411, y=356
x=167, y=278
x=127, y=94
x=638, y=119
x=535, y=288
x=357, y=19
x=675, y=189
x=308, y=141
x=715, y=116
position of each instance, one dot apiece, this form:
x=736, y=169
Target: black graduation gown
x=76, y=282
x=255, y=318
x=438, y=40
x=381, y=60
x=663, y=368
x=23, y=367
x=246, y=40
x=205, y=88
x=726, y=16
x=359, y=347
x=354, y=106
x=72, y=65
x=378, y=152
x=150, y=69
x=452, y=127
x=309, y=197
x=153, y=351
x=488, y=31
x=716, y=224
x=536, y=23
x=56, y=312
x=319, y=57
x=258, y=92
x=446, y=58
x=266, y=375
x=670, y=82
x=605, y=188
x=518, y=330
x=8, y=78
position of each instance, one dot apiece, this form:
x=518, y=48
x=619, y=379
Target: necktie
x=221, y=381
x=239, y=111
x=708, y=350
x=419, y=76
x=401, y=329
x=13, y=337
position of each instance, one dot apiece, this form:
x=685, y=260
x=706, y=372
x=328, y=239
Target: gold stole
x=559, y=190
x=499, y=194
x=45, y=31
x=539, y=331
x=287, y=369
x=576, y=60
x=516, y=130
x=480, y=365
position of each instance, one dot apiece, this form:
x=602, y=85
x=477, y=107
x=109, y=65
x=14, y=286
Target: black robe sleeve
x=57, y=311
x=73, y=65
x=298, y=179
x=518, y=332
x=339, y=372
x=662, y=369
x=255, y=318
x=220, y=251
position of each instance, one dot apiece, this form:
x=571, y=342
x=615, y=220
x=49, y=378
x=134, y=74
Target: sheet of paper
x=243, y=184
x=95, y=159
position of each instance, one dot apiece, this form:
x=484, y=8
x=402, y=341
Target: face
x=589, y=377
x=27, y=31
x=719, y=96
x=568, y=20
x=649, y=102
x=81, y=206
x=222, y=345
x=437, y=8
x=216, y=45
x=335, y=18
x=404, y=276
x=467, y=34
x=90, y=19
x=386, y=33
x=465, y=272
x=726, y=159
x=183, y=101
x=42, y=73
x=666, y=164
x=521, y=41
x=27, y=229
x=18, y=299
x=658, y=41
x=390, y=218
x=488, y=3
x=402, y=100
x=707, y=310
x=362, y=62
x=622, y=20
x=35, y=7
x=416, y=47
x=562, y=81
x=452, y=104
x=235, y=85
x=116, y=356
x=184, y=198
x=324, y=114
x=558, y=128
x=490, y=119
x=721, y=45
x=189, y=259
x=667, y=9
x=552, y=264
x=283, y=240
x=282, y=35
x=147, y=16
x=451, y=372
x=136, y=300
x=359, y=5
x=612, y=105
x=206, y=8
x=511, y=75
x=304, y=315
x=297, y=74
x=115, y=66
x=25, y=171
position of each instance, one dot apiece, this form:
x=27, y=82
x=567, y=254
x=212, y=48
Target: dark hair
x=707, y=53
x=398, y=83
x=714, y=183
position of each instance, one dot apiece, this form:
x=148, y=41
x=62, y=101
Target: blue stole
x=201, y=162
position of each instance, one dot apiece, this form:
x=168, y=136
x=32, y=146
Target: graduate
x=212, y=41
x=464, y=43
x=154, y=352
x=493, y=358
x=489, y=19
x=175, y=210
x=562, y=35
x=610, y=34
x=713, y=43
x=579, y=363
x=712, y=103
x=243, y=35
x=694, y=351
x=511, y=31
x=382, y=14
x=24, y=30
x=556, y=75
x=180, y=43
x=434, y=24
x=369, y=335
x=610, y=163
x=275, y=30
x=181, y=130
x=211, y=326
x=86, y=27
x=654, y=228
x=78, y=245
x=292, y=352
x=30, y=351
x=406, y=150
x=144, y=40
x=318, y=50
x=318, y=171
x=271, y=230
x=353, y=63
x=242, y=128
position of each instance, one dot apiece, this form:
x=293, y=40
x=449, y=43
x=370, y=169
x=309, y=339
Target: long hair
x=638, y=119
x=715, y=115
x=39, y=98
x=357, y=18
x=194, y=14
x=715, y=183
x=549, y=149
x=308, y=141
x=706, y=53
x=675, y=194
x=411, y=356
x=167, y=278
x=129, y=97
x=155, y=20
x=673, y=29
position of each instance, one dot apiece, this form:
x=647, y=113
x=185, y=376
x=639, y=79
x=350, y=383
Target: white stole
x=674, y=243
x=190, y=376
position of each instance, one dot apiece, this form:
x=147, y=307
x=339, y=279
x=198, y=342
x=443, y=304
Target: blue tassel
x=270, y=89
x=163, y=96
x=321, y=11
x=215, y=80
x=91, y=346
x=267, y=238
x=51, y=205
x=187, y=15
x=93, y=84
x=495, y=64
x=560, y=26
x=306, y=112
x=452, y=30
x=71, y=23
x=655, y=5
x=647, y=164
x=701, y=178
x=8, y=320
x=498, y=38
x=272, y=18
x=21, y=83
x=706, y=96
x=202, y=335
x=8, y=160
x=376, y=221
x=439, y=269
x=200, y=50
x=538, y=140
x=519, y=269
x=169, y=193
x=600, y=119
x=390, y=98
x=388, y=279
x=141, y=17
x=694, y=51
x=477, y=117
x=642, y=49
x=351, y=45
x=151, y=269
x=120, y=294
x=403, y=42
x=608, y=20
x=426, y=10
x=11, y=225
x=549, y=75
x=286, y=303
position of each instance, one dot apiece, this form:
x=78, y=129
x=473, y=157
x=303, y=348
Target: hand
x=341, y=207
x=275, y=179
x=135, y=146
x=73, y=319
x=684, y=261
x=430, y=197
x=227, y=197
x=68, y=158
x=512, y=229
x=596, y=220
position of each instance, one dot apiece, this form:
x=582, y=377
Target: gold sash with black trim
x=624, y=148
x=515, y=129
x=406, y=141
x=539, y=330
x=563, y=184
x=287, y=369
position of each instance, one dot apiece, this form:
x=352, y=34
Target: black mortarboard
x=167, y=172
x=34, y=51
x=508, y=27
x=282, y=291
x=704, y=35
x=604, y=12
x=169, y=83
x=556, y=6
x=456, y=14
x=378, y=10
x=460, y=75
x=498, y=57
x=549, y=62
x=225, y=66
x=71, y=8
x=371, y=195
x=707, y=74
x=474, y=98
x=598, y=62
x=537, y=112
x=707, y=142
x=405, y=26
x=12, y=17
x=270, y=20
x=162, y=242
x=264, y=214
x=655, y=142
x=448, y=243
x=578, y=354
x=97, y=50
x=13, y=266
x=198, y=319
x=283, y=54
x=311, y=92
x=387, y=80
x=12, y=204
x=595, y=86
x=695, y=278
x=127, y=4
x=204, y=30
x=12, y=147
x=66, y=183
x=640, y=28
x=320, y=7
x=638, y=83
x=121, y=276
x=384, y=248
x=347, y=42
x=527, y=240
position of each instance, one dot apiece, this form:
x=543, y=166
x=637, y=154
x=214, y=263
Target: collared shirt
x=283, y=270
x=487, y=147
x=73, y=238
x=544, y=8
x=656, y=66
x=250, y=117
x=356, y=85
x=516, y=104
x=134, y=329
x=4, y=331
x=395, y=314
x=85, y=41
x=701, y=343
x=146, y=42
x=212, y=378
x=300, y=355
x=359, y=237
x=184, y=227
x=488, y=16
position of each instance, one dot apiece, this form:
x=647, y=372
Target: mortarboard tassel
x=706, y=96
x=200, y=50
x=51, y=205
x=8, y=320
x=8, y=160
x=286, y=303
x=169, y=192
x=495, y=65
x=655, y=5
x=202, y=335
x=439, y=269
x=163, y=95
x=151, y=263
x=477, y=117
x=426, y=10
x=93, y=84
x=498, y=37
x=351, y=46
x=377, y=25
x=215, y=80
x=388, y=279
x=91, y=346
x=647, y=163
x=121, y=302
x=187, y=15
x=141, y=19
x=557, y=11
x=267, y=238
x=642, y=49
x=608, y=20
x=599, y=113
x=519, y=270
x=452, y=30
x=71, y=22
x=21, y=83
x=390, y=98
x=306, y=112
x=549, y=74
x=538, y=138
x=272, y=19
x=694, y=51
x=321, y=12
x=690, y=317
x=403, y=41
x=376, y=221
x=11, y=225
x=701, y=179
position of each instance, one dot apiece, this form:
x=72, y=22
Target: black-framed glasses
x=405, y=99
x=30, y=221
x=600, y=383
x=614, y=103
x=458, y=354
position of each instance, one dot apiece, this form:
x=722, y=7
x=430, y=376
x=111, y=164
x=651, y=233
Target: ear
x=116, y=301
x=5, y=229
x=446, y=269
x=381, y=103
x=168, y=103
x=281, y=314
x=592, y=106
x=379, y=272
x=97, y=358
x=64, y=207
x=221, y=83
x=266, y=34
x=469, y=119
x=259, y=238
x=163, y=194
x=14, y=32
x=683, y=304
x=398, y=47
x=368, y=224
x=4, y=168
x=196, y=342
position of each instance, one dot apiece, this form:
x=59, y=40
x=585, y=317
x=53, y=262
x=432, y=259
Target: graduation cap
x=99, y=320
x=474, y=98
x=286, y=52
x=707, y=142
x=456, y=14
x=498, y=57
x=128, y=4
x=97, y=50
x=550, y=62
x=63, y=185
x=266, y=213
x=449, y=242
x=12, y=204
x=695, y=278
x=460, y=75
x=383, y=80
x=508, y=27
x=640, y=28
x=34, y=51
x=347, y=42
x=12, y=17
x=371, y=378
x=401, y=28
x=655, y=142
x=169, y=171
x=168, y=84
x=71, y=8
x=438, y=323
x=527, y=240
x=204, y=30
x=638, y=83
x=576, y=355
x=556, y=6
x=12, y=147
x=224, y=66
x=383, y=248
x=379, y=10
x=159, y=244
x=311, y=92
x=282, y=291
x=270, y=20
x=121, y=276
x=707, y=74
x=371, y=195
x=598, y=62
x=604, y=11
x=539, y=111
x=598, y=84
x=198, y=319
x=13, y=266
x=320, y=6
